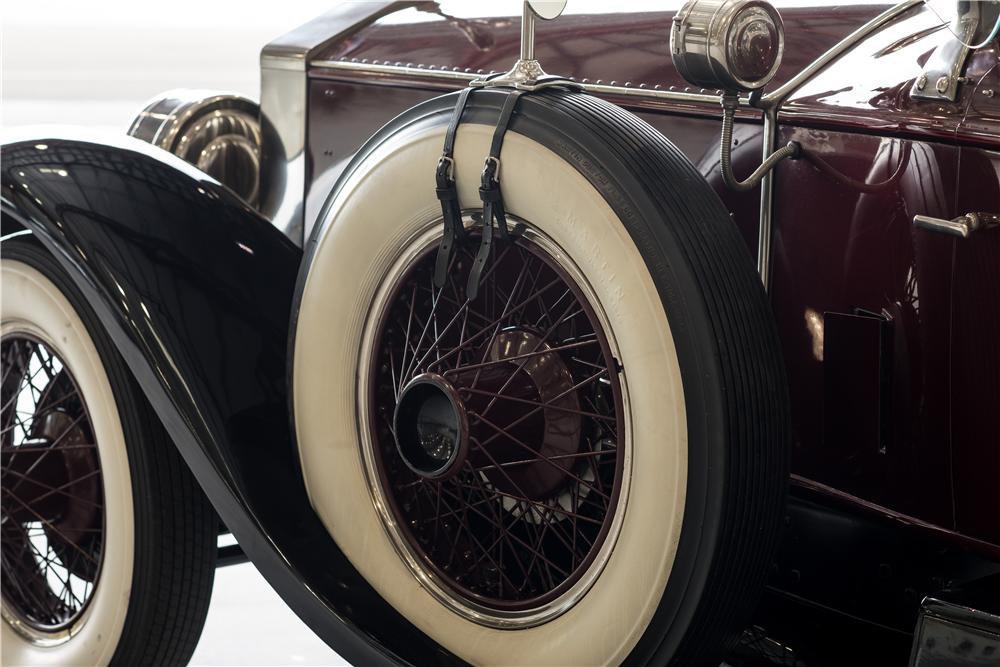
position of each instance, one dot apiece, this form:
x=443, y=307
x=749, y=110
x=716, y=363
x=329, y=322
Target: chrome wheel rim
x=519, y=513
x=52, y=507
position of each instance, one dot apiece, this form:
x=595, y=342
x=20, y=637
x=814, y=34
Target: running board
x=959, y=626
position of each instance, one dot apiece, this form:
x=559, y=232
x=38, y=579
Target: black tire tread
x=731, y=365
x=756, y=418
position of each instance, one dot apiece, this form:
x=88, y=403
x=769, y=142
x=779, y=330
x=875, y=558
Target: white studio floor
x=248, y=624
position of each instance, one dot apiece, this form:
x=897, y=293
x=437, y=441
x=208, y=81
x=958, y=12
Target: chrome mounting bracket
x=527, y=72
x=943, y=71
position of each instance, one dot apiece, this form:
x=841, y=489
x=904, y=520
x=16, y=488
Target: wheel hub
x=431, y=427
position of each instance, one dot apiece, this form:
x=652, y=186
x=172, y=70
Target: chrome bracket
x=527, y=72
x=941, y=75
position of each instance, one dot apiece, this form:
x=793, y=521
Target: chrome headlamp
x=217, y=132
x=733, y=45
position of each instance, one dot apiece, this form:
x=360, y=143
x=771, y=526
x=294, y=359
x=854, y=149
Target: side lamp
x=735, y=46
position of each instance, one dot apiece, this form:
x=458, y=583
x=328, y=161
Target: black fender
x=195, y=289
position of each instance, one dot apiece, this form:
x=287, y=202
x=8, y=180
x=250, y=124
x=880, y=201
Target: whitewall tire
x=131, y=582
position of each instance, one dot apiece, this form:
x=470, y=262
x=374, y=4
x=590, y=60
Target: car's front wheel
x=108, y=545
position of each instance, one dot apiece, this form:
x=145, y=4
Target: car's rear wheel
x=108, y=545
x=586, y=462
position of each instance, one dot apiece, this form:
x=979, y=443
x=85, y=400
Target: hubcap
x=432, y=431
x=495, y=430
x=52, y=493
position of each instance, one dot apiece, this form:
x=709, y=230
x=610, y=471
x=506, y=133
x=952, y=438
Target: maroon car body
x=890, y=333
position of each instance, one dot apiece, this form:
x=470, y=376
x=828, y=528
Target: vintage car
x=483, y=364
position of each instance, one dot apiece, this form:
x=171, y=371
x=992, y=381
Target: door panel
x=863, y=303
x=975, y=396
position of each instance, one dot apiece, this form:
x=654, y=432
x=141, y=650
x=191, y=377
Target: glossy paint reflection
x=622, y=46
x=850, y=249
x=195, y=290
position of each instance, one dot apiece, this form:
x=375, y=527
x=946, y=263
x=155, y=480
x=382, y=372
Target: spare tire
x=585, y=464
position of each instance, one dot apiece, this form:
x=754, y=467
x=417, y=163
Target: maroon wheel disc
x=52, y=492
x=496, y=425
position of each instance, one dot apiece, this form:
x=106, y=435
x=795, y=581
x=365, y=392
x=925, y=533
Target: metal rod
x=527, y=32
x=766, y=197
x=777, y=96
x=231, y=554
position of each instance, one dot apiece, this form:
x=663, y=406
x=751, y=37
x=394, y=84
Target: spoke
x=50, y=525
x=406, y=338
x=52, y=445
x=464, y=524
x=547, y=406
x=60, y=489
x=516, y=290
x=538, y=344
x=536, y=410
x=520, y=357
x=542, y=507
x=434, y=305
x=39, y=597
x=493, y=489
x=508, y=535
x=558, y=457
x=474, y=337
x=517, y=441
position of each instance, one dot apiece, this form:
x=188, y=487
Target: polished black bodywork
x=195, y=289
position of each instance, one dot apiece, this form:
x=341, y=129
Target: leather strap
x=492, y=198
x=447, y=193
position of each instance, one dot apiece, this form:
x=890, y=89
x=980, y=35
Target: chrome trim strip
x=365, y=67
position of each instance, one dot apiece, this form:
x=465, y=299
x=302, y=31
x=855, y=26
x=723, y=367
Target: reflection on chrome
x=218, y=133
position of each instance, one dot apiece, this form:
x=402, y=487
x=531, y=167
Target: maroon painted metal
x=913, y=314
x=849, y=248
x=628, y=48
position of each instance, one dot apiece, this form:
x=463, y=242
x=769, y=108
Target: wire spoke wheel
x=52, y=495
x=496, y=430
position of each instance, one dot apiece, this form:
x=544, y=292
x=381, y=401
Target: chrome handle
x=961, y=226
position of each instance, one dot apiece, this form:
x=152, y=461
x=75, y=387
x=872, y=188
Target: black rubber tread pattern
x=747, y=358
x=728, y=348
x=176, y=527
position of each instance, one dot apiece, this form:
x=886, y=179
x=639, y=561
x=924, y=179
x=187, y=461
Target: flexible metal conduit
x=791, y=150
